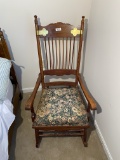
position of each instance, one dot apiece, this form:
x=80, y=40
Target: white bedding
x=6, y=119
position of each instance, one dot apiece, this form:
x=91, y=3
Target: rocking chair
x=61, y=110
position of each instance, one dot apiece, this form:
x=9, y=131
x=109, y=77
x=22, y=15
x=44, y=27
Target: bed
x=12, y=92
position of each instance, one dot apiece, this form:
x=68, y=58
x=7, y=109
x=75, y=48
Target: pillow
x=5, y=66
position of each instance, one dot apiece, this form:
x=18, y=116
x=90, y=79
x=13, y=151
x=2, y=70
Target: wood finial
x=35, y=19
x=83, y=17
x=35, y=16
x=82, y=22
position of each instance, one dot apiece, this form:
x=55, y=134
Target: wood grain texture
x=17, y=95
x=91, y=101
x=59, y=53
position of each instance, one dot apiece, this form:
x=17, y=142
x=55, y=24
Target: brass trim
x=76, y=31
x=42, y=32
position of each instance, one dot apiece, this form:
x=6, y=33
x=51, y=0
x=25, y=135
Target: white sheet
x=6, y=119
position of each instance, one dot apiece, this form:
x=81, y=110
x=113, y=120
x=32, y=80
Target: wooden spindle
x=73, y=52
x=46, y=52
x=50, y=59
x=56, y=54
x=69, y=53
x=66, y=52
x=63, y=61
x=59, y=54
x=53, y=55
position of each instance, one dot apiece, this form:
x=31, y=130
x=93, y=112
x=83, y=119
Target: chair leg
x=20, y=96
x=84, y=138
x=38, y=139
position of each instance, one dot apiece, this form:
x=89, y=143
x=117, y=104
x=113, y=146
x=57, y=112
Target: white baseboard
x=103, y=142
x=27, y=90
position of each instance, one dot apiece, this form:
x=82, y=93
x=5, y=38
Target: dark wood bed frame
x=17, y=96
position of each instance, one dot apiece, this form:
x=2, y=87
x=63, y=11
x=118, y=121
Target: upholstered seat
x=61, y=106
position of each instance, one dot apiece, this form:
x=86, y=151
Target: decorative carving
x=42, y=32
x=76, y=31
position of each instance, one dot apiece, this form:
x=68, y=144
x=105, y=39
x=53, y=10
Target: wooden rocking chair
x=61, y=110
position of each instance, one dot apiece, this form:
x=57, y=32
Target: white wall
x=102, y=69
x=17, y=20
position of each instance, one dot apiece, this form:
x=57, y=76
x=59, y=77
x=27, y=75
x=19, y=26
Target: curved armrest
x=30, y=101
x=89, y=98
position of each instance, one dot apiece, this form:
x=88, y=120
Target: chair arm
x=91, y=101
x=30, y=101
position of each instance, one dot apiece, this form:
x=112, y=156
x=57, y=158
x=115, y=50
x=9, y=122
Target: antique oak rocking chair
x=61, y=110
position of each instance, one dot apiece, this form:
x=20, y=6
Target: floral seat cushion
x=61, y=107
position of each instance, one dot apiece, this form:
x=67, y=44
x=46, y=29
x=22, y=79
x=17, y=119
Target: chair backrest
x=59, y=50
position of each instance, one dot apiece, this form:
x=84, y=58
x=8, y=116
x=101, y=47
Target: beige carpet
x=65, y=148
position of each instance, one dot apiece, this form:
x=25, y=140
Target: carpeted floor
x=65, y=148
